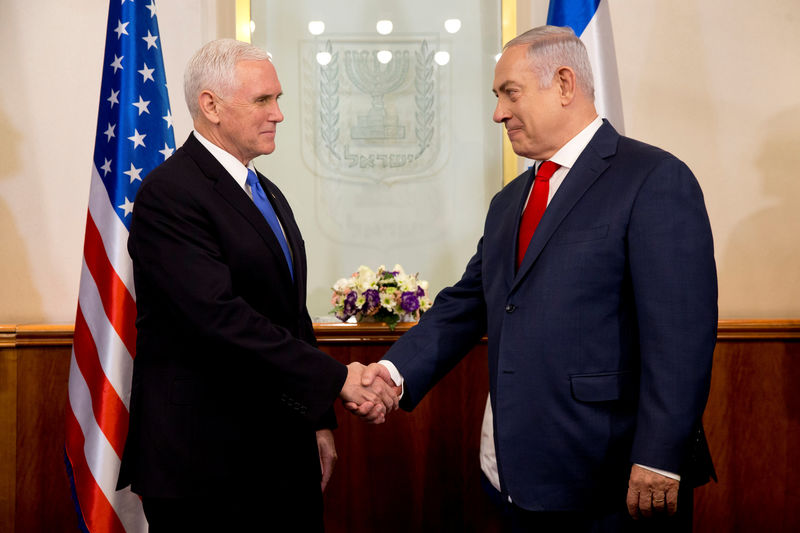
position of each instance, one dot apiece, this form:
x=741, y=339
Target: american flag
x=134, y=135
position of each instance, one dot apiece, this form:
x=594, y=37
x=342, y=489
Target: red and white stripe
x=104, y=347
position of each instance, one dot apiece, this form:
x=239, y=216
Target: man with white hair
x=595, y=284
x=231, y=406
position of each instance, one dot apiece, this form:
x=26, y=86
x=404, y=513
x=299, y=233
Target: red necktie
x=535, y=208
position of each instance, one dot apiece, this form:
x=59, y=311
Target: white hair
x=213, y=68
x=552, y=47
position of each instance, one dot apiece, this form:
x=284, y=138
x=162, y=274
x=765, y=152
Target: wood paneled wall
x=34, y=371
x=419, y=471
x=752, y=420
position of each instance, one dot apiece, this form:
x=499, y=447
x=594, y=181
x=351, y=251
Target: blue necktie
x=261, y=201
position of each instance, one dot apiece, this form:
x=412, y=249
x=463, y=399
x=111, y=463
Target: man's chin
x=521, y=150
x=266, y=148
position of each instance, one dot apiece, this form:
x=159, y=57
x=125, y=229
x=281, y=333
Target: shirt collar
x=569, y=153
x=234, y=167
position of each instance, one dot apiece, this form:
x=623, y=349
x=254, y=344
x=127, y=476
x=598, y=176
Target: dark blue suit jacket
x=600, y=346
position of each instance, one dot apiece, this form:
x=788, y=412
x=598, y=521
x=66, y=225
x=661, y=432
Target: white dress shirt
x=234, y=167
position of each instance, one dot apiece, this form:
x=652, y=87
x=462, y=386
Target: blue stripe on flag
x=131, y=139
x=573, y=13
x=71, y=476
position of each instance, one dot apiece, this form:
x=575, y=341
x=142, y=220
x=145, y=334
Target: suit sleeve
x=328, y=419
x=175, y=248
x=674, y=280
x=444, y=335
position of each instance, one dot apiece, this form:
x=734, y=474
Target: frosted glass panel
x=387, y=153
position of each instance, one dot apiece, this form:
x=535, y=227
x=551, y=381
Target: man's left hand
x=327, y=454
x=649, y=492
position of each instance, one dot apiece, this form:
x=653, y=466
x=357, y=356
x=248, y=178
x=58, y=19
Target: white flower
x=388, y=299
x=343, y=284
x=365, y=279
x=406, y=282
x=424, y=304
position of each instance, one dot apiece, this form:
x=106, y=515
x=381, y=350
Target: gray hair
x=551, y=47
x=213, y=68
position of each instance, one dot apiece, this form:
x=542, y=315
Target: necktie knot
x=252, y=179
x=546, y=170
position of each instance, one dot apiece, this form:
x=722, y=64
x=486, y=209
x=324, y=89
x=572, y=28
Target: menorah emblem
x=370, y=120
x=372, y=77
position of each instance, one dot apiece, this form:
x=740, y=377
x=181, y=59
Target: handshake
x=369, y=392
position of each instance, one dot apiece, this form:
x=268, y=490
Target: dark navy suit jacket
x=228, y=386
x=600, y=346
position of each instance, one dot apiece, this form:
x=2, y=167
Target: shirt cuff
x=670, y=475
x=396, y=377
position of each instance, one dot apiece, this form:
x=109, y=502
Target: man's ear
x=209, y=106
x=567, y=84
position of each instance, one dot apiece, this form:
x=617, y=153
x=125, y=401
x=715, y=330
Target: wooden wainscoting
x=752, y=421
x=419, y=472
x=34, y=370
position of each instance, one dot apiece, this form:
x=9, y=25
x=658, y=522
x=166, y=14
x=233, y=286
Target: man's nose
x=275, y=114
x=500, y=113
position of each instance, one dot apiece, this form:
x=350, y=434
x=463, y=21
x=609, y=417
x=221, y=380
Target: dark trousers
x=518, y=520
x=230, y=515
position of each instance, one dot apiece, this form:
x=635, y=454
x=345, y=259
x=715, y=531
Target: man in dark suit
x=600, y=311
x=231, y=407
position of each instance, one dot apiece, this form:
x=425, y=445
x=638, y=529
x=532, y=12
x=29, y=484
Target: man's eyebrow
x=502, y=87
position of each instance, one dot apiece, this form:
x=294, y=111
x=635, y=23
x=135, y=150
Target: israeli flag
x=591, y=22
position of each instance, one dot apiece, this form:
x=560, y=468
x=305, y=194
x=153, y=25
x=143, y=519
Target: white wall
x=714, y=81
x=49, y=92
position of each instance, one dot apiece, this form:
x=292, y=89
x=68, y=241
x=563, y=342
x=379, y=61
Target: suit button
x=510, y=308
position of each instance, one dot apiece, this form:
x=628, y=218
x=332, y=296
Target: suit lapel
x=293, y=238
x=587, y=169
x=290, y=229
x=232, y=193
x=509, y=229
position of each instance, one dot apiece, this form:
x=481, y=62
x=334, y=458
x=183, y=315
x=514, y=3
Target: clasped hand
x=369, y=392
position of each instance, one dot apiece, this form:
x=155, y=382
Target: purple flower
x=420, y=291
x=409, y=302
x=350, y=303
x=372, y=300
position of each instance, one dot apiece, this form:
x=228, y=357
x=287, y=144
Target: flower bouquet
x=389, y=296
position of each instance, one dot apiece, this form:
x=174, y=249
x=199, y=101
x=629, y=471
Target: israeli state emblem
x=373, y=110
